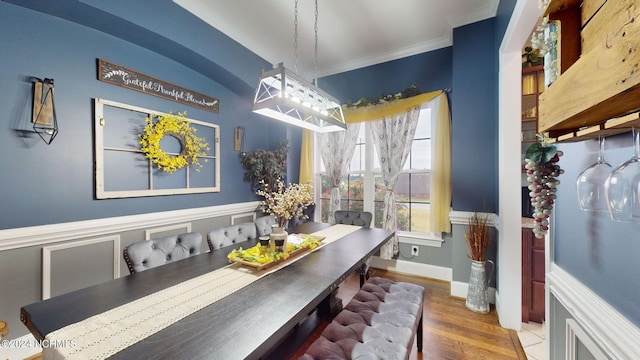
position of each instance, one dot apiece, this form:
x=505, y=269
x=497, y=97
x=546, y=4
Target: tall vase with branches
x=478, y=239
x=477, y=236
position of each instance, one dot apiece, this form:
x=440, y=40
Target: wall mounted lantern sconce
x=44, y=119
x=238, y=139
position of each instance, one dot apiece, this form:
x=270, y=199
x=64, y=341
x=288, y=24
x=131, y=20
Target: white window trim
x=101, y=193
x=416, y=238
x=424, y=239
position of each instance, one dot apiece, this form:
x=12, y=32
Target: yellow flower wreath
x=191, y=146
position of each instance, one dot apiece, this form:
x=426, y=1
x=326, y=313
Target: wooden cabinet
x=532, y=86
x=533, y=277
x=600, y=85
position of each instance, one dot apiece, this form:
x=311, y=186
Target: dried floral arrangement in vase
x=478, y=239
x=477, y=236
x=285, y=202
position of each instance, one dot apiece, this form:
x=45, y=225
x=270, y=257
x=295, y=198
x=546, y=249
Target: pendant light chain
x=295, y=38
x=285, y=95
x=315, y=64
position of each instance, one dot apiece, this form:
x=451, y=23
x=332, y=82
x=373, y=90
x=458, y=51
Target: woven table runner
x=105, y=334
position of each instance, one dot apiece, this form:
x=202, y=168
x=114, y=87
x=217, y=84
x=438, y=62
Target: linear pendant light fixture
x=283, y=95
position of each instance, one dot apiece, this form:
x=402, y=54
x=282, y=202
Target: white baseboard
x=20, y=348
x=609, y=329
x=413, y=268
x=460, y=289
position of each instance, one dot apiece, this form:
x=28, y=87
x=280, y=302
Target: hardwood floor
x=451, y=331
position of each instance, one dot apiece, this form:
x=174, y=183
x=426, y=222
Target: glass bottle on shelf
x=532, y=86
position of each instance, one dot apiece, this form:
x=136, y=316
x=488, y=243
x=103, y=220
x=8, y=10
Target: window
x=122, y=170
x=362, y=187
x=412, y=190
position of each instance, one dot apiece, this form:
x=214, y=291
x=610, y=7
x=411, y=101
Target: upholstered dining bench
x=380, y=322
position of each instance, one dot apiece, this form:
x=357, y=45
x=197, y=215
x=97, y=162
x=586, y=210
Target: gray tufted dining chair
x=358, y=218
x=308, y=214
x=263, y=224
x=230, y=235
x=147, y=254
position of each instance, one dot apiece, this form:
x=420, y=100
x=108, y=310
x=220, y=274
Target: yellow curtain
x=306, y=157
x=354, y=115
x=441, y=188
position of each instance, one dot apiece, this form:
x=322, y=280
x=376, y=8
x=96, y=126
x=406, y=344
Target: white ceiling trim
x=468, y=18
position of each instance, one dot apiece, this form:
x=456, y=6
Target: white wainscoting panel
x=575, y=335
x=46, y=259
x=243, y=215
x=149, y=234
x=609, y=329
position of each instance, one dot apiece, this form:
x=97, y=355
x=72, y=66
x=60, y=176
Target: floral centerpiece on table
x=286, y=202
x=257, y=254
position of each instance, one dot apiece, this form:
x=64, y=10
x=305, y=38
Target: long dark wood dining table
x=246, y=324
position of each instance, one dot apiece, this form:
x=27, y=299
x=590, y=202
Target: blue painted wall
x=36, y=177
x=429, y=71
x=503, y=16
x=42, y=184
x=475, y=118
x=599, y=252
x=469, y=69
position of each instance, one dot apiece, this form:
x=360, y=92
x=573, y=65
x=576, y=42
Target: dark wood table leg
x=330, y=306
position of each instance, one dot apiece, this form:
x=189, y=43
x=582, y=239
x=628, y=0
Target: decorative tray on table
x=260, y=257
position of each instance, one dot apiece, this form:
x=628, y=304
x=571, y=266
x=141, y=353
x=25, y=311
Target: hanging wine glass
x=590, y=184
x=623, y=186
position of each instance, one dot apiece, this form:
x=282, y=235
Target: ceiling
x=351, y=33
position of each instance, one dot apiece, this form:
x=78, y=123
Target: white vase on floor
x=478, y=293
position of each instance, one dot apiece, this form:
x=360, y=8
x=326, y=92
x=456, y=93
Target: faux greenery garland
x=406, y=93
x=191, y=146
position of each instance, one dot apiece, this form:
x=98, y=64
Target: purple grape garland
x=543, y=184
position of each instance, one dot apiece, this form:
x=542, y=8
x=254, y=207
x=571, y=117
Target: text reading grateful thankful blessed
x=122, y=76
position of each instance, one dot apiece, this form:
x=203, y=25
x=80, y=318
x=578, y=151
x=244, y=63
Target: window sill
x=424, y=239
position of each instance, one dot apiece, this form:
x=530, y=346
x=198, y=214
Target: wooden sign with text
x=131, y=79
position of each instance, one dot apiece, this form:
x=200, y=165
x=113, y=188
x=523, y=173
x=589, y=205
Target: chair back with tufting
x=147, y=254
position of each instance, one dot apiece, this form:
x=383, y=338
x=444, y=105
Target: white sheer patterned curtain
x=392, y=137
x=336, y=150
